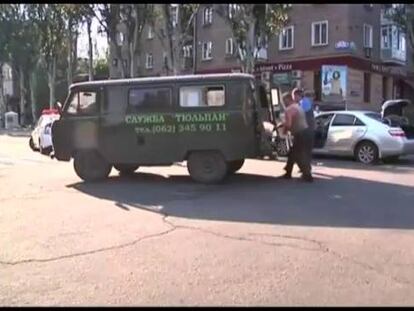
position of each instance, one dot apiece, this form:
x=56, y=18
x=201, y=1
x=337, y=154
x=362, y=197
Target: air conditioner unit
x=368, y=52
x=297, y=74
x=266, y=76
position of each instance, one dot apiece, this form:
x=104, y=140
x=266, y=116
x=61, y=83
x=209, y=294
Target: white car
x=41, y=137
x=365, y=135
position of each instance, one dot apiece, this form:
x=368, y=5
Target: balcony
x=393, y=43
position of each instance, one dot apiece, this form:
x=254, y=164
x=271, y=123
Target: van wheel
x=366, y=152
x=126, y=169
x=90, y=165
x=31, y=144
x=207, y=166
x=234, y=166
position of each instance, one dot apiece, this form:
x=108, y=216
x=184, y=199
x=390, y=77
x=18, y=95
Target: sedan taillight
x=396, y=133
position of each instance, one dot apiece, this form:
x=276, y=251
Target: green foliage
x=252, y=26
x=101, y=67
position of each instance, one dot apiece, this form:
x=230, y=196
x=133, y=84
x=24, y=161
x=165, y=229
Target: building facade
x=345, y=53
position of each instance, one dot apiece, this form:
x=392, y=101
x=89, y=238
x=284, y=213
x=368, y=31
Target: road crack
x=91, y=252
x=321, y=247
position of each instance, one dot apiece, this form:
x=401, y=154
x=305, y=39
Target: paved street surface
x=158, y=238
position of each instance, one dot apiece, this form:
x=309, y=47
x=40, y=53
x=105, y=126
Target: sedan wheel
x=367, y=153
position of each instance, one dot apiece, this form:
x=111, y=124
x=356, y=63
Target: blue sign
x=345, y=45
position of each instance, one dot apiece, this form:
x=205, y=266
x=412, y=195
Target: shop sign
x=274, y=67
x=281, y=78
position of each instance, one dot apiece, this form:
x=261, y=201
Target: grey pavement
x=157, y=238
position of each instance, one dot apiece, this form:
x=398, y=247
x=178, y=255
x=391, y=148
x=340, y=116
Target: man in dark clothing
x=296, y=123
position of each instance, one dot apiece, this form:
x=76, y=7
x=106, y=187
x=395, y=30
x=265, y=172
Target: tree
x=49, y=22
x=109, y=17
x=135, y=17
x=173, y=24
x=252, y=25
x=403, y=16
x=21, y=43
x=4, y=53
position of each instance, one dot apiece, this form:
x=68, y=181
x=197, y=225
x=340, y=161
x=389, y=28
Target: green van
x=213, y=122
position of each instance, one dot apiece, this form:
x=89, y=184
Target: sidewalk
x=22, y=132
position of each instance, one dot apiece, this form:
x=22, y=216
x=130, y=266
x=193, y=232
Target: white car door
x=344, y=130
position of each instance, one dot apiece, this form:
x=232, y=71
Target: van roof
x=164, y=79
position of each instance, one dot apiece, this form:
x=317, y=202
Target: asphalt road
x=159, y=239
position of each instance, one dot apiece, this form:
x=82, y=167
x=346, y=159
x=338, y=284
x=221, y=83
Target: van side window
x=149, y=98
x=83, y=103
x=202, y=96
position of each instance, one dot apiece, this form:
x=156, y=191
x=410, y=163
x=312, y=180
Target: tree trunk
x=70, y=56
x=90, y=49
x=75, y=53
x=52, y=82
x=2, y=99
x=22, y=96
x=132, y=67
x=32, y=86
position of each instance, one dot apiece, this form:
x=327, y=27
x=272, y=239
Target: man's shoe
x=308, y=178
x=286, y=176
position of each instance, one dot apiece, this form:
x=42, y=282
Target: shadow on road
x=329, y=201
x=403, y=165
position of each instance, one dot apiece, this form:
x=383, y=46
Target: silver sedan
x=364, y=135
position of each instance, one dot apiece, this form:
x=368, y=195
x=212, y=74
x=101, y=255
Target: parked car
x=368, y=136
x=41, y=137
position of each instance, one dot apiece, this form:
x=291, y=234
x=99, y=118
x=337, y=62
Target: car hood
x=394, y=107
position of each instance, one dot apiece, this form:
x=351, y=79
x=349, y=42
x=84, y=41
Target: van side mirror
x=59, y=107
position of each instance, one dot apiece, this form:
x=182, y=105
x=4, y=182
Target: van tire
x=234, y=166
x=126, y=169
x=31, y=144
x=207, y=167
x=89, y=165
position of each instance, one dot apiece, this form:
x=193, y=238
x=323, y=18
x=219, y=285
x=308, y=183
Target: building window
x=115, y=62
x=149, y=62
x=367, y=36
x=208, y=15
x=232, y=10
x=165, y=59
x=174, y=15
x=400, y=40
x=120, y=38
x=206, y=49
x=286, y=38
x=187, y=51
x=320, y=33
x=148, y=98
x=199, y=96
x=229, y=46
x=367, y=87
x=150, y=32
x=386, y=37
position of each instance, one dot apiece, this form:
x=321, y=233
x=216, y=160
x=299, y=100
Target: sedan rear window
x=343, y=120
x=377, y=117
